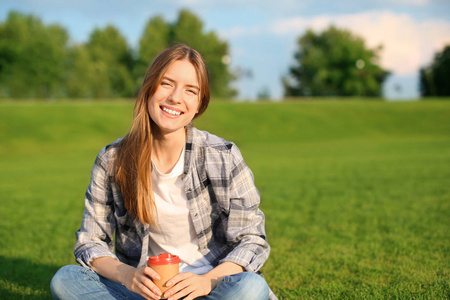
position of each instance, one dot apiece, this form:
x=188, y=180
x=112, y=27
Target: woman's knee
x=249, y=286
x=61, y=280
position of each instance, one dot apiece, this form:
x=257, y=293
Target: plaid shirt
x=222, y=199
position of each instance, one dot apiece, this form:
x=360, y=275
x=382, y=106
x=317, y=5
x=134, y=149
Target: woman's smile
x=171, y=111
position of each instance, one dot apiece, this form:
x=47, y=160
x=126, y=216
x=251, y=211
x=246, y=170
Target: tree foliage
x=155, y=38
x=113, y=63
x=32, y=57
x=435, y=78
x=189, y=29
x=334, y=63
x=37, y=60
x=102, y=67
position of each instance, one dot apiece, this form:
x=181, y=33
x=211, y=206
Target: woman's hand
x=139, y=281
x=189, y=285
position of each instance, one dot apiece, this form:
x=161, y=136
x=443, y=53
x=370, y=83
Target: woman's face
x=176, y=99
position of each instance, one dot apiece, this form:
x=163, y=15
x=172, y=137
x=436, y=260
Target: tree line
x=40, y=61
x=336, y=62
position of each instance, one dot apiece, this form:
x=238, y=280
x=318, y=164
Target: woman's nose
x=176, y=95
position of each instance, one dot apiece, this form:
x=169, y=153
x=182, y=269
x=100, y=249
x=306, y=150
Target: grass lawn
x=356, y=194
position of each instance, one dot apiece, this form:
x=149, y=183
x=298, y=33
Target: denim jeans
x=76, y=282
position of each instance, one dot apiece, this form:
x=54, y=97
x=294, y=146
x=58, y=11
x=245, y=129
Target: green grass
x=356, y=194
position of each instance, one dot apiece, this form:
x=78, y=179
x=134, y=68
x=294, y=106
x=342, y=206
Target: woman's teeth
x=172, y=112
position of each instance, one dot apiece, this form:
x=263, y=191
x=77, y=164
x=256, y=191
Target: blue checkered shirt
x=222, y=199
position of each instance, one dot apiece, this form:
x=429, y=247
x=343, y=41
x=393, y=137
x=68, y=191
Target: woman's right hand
x=139, y=280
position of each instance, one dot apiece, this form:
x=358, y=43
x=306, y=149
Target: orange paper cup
x=167, y=266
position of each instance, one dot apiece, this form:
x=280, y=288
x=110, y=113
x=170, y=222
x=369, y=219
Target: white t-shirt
x=175, y=233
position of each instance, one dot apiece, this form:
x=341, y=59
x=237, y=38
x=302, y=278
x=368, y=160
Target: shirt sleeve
x=246, y=222
x=95, y=236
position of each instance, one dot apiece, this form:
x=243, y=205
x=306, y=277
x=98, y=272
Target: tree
x=263, y=94
x=32, y=57
x=434, y=79
x=334, y=63
x=188, y=29
x=113, y=62
x=155, y=38
x=37, y=60
x=83, y=78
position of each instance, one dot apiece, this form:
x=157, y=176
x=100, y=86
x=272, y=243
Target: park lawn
x=355, y=193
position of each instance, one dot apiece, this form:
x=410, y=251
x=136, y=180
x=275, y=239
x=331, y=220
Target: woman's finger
x=179, y=277
x=177, y=283
x=189, y=286
x=146, y=292
x=193, y=295
x=151, y=273
x=143, y=285
x=179, y=293
x=181, y=288
x=150, y=285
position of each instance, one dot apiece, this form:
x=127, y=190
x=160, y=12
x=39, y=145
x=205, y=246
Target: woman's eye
x=165, y=83
x=192, y=92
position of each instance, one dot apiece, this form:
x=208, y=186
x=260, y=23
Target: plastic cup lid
x=163, y=259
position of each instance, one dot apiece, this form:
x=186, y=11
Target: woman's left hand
x=189, y=285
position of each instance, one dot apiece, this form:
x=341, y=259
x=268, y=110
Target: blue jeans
x=76, y=282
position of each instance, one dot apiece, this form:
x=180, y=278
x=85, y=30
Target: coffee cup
x=167, y=266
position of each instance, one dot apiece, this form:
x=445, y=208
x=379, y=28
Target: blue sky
x=262, y=34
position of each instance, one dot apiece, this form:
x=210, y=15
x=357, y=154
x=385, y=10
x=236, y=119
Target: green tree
x=263, y=94
x=155, y=38
x=112, y=63
x=188, y=29
x=37, y=61
x=32, y=57
x=334, y=63
x=434, y=79
x=82, y=78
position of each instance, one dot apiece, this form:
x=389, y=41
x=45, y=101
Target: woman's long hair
x=133, y=161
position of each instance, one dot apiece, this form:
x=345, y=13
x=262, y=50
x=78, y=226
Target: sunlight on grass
x=355, y=193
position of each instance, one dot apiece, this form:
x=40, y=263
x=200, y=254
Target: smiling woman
x=167, y=187
x=176, y=100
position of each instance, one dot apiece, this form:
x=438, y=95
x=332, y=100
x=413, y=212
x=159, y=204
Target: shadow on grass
x=24, y=279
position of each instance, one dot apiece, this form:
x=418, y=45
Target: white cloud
x=408, y=44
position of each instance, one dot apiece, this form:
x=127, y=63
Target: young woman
x=169, y=187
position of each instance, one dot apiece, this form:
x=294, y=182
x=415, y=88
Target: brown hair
x=133, y=161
